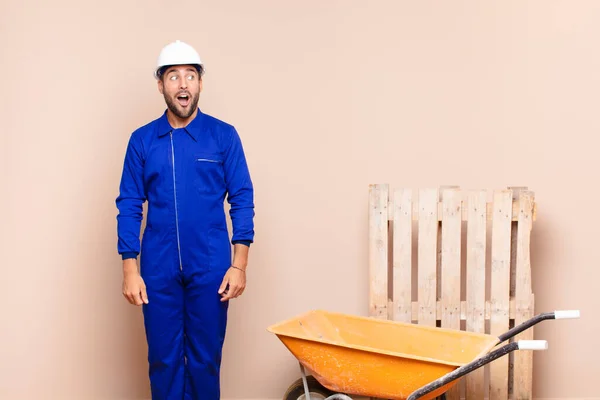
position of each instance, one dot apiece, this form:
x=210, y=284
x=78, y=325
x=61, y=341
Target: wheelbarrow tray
x=371, y=357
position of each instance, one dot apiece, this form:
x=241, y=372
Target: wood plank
x=442, y=189
x=402, y=260
x=516, y=190
x=476, y=387
x=500, y=287
x=427, y=256
x=523, y=360
x=464, y=215
x=463, y=309
x=450, y=267
x=378, y=251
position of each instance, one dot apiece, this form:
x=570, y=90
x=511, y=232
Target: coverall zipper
x=175, y=197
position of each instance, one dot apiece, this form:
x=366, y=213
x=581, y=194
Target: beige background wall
x=328, y=96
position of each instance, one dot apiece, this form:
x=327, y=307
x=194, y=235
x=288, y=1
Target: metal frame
x=337, y=396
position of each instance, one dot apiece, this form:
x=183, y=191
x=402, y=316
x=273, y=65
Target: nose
x=183, y=83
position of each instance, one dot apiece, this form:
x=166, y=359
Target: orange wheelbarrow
x=363, y=356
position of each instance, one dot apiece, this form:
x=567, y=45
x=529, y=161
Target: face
x=181, y=87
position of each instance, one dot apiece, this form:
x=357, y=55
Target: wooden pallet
x=457, y=259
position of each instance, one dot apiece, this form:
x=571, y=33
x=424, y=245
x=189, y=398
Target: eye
x=172, y=77
x=190, y=77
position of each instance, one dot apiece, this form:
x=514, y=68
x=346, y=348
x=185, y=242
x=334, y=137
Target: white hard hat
x=177, y=53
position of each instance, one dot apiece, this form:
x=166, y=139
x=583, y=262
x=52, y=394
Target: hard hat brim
x=160, y=70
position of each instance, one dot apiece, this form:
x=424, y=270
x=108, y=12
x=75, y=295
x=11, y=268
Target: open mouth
x=183, y=99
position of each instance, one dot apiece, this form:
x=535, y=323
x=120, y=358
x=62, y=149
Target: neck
x=177, y=122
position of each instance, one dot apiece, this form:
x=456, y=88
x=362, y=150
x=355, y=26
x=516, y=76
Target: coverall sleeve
x=130, y=200
x=240, y=191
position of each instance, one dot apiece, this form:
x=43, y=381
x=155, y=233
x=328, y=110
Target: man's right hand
x=134, y=288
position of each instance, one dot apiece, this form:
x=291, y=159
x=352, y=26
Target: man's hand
x=134, y=288
x=234, y=281
x=233, y=284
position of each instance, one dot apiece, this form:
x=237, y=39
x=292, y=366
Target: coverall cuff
x=245, y=242
x=127, y=255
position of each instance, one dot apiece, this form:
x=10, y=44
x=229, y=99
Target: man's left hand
x=233, y=284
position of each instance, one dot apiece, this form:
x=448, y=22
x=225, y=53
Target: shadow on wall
x=120, y=339
x=134, y=342
x=135, y=381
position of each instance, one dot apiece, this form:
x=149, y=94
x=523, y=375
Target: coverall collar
x=193, y=128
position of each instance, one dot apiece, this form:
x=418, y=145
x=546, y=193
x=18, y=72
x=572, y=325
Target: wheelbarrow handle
x=532, y=344
x=566, y=314
x=480, y=362
x=499, y=352
x=537, y=319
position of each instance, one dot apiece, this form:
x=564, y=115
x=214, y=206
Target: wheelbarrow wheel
x=316, y=390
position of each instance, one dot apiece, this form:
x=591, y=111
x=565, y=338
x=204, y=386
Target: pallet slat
x=450, y=263
x=523, y=360
x=476, y=305
x=500, y=287
x=427, y=256
x=402, y=262
x=464, y=214
x=463, y=310
x=378, y=251
x=450, y=266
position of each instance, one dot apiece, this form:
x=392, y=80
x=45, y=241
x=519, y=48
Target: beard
x=179, y=111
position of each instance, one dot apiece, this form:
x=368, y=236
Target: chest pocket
x=209, y=173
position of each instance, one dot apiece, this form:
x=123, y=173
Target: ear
x=161, y=86
x=200, y=83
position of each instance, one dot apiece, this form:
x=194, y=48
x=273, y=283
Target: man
x=184, y=164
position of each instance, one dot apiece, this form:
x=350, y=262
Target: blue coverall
x=185, y=175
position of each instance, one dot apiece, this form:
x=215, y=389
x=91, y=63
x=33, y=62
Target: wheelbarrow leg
x=306, y=390
x=337, y=396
